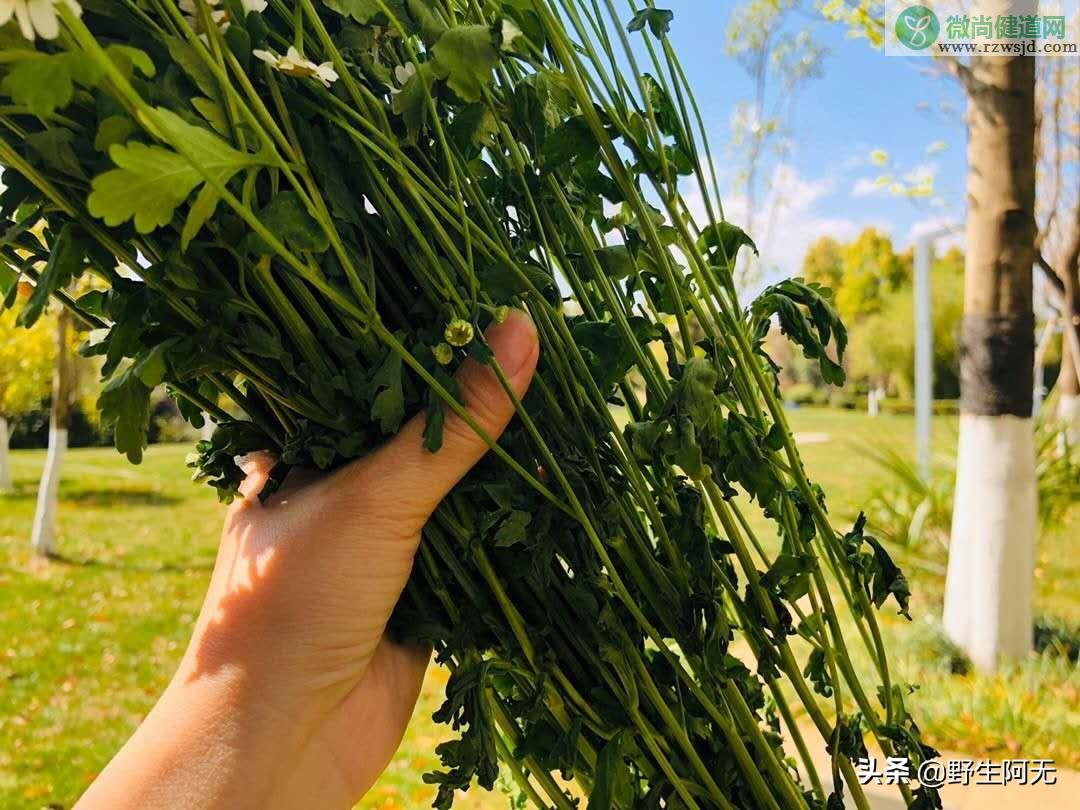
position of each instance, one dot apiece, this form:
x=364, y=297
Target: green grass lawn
x=87, y=643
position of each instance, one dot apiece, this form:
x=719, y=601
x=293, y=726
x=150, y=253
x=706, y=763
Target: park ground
x=89, y=641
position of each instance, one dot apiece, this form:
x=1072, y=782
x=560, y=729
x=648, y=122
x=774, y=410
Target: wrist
x=213, y=741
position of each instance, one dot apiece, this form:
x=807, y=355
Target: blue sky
x=863, y=101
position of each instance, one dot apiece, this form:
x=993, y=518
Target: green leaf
x=363, y=11
x=612, y=787
x=149, y=184
x=433, y=426
x=152, y=181
x=787, y=300
x=658, y=20
x=65, y=262
x=616, y=261
x=466, y=56
x=55, y=147
x=725, y=239
x=129, y=59
x=513, y=529
x=44, y=84
x=430, y=24
x=411, y=102
x=287, y=217
x=189, y=61
x=213, y=112
x=388, y=408
x=114, y=129
x=125, y=407
x=201, y=210
x=572, y=139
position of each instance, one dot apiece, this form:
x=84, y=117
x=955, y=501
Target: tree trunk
x=43, y=538
x=988, y=610
x=5, y=468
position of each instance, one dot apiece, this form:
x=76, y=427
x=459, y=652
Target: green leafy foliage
x=658, y=20
x=65, y=263
x=150, y=182
x=811, y=329
x=313, y=264
x=46, y=83
x=465, y=55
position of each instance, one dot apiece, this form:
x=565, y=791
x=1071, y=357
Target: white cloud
x=867, y=187
x=952, y=227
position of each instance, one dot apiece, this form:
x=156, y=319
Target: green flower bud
x=459, y=332
x=443, y=354
x=501, y=314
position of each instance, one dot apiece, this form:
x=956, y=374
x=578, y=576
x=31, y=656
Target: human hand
x=290, y=694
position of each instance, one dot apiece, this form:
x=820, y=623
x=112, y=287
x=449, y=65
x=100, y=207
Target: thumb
x=408, y=481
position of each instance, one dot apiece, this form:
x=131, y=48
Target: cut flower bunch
x=302, y=216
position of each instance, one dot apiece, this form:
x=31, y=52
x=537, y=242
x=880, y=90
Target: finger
x=256, y=468
x=408, y=480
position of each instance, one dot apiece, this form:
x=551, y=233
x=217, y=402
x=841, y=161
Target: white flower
x=293, y=63
x=219, y=16
x=36, y=15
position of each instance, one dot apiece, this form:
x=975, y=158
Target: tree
x=861, y=273
x=64, y=385
x=881, y=346
x=824, y=262
x=988, y=594
x=26, y=361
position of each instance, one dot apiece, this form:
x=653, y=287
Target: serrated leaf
x=466, y=56
x=125, y=407
x=152, y=181
x=149, y=184
x=46, y=83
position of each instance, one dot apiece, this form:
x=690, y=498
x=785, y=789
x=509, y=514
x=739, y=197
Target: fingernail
x=513, y=341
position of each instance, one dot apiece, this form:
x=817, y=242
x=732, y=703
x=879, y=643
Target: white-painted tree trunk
x=43, y=538
x=5, y=467
x=988, y=590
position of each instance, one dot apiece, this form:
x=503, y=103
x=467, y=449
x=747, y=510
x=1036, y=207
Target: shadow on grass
x=107, y=497
x=119, y=565
x=1056, y=637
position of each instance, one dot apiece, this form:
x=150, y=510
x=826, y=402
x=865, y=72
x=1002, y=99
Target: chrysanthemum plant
x=304, y=216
